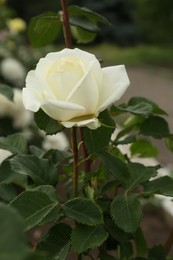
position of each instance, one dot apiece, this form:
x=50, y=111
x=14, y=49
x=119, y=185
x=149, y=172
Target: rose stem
x=87, y=161
x=66, y=24
x=68, y=42
x=75, y=160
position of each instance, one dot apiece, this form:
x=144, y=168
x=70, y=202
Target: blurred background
x=141, y=37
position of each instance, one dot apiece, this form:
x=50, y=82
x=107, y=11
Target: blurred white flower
x=4, y=154
x=13, y=71
x=58, y=141
x=15, y=110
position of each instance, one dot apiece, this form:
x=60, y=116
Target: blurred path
x=157, y=86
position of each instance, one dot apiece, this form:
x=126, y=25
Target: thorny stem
x=75, y=161
x=87, y=160
x=66, y=24
x=68, y=42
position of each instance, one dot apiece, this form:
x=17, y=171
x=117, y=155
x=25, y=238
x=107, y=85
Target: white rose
x=71, y=87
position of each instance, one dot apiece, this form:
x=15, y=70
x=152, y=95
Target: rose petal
x=115, y=83
x=85, y=57
x=90, y=123
x=85, y=93
x=62, y=111
x=31, y=99
x=42, y=68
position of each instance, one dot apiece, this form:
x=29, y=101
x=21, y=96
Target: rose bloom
x=70, y=86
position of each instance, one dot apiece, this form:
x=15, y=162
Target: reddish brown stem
x=75, y=161
x=87, y=161
x=66, y=24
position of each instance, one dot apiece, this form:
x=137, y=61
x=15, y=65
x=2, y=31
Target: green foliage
x=143, y=148
x=85, y=237
x=162, y=185
x=44, y=29
x=139, y=174
x=140, y=243
x=49, y=125
x=15, y=143
x=13, y=244
x=41, y=171
x=89, y=215
x=33, y=206
x=82, y=36
x=155, y=126
x=6, y=91
x=98, y=139
x=116, y=167
x=126, y=212
x=56, y=242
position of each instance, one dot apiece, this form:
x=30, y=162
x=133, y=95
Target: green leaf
x=44, y=29
x=42, y=171
x=46, y=123
x=13, y=244
x=33, y=206
x=7, y=192
x=53, y=216
x=75, y=10
x=62, y=255
x=110, y=185
x=86, y=237
x=84, y=211
x=126, y=250
x=142, y=108
x=139, y=174
x=127, y=140
x=140, y=243
x=104, y=256
x=115, y=232
x=84, y=24
x=157, y=252
x=6, y=91
x=155, y=108
x=15, y=143
x=48, y=189
x=143, y=148
x=56, y=242
x=97, y=140
x=162, y=185
x=169, y=143
x=115, y=166
x=7, y=175
x=81, y=35
x=156, y=127
x=126, y=212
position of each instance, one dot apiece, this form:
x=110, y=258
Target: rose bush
x=71, y=87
